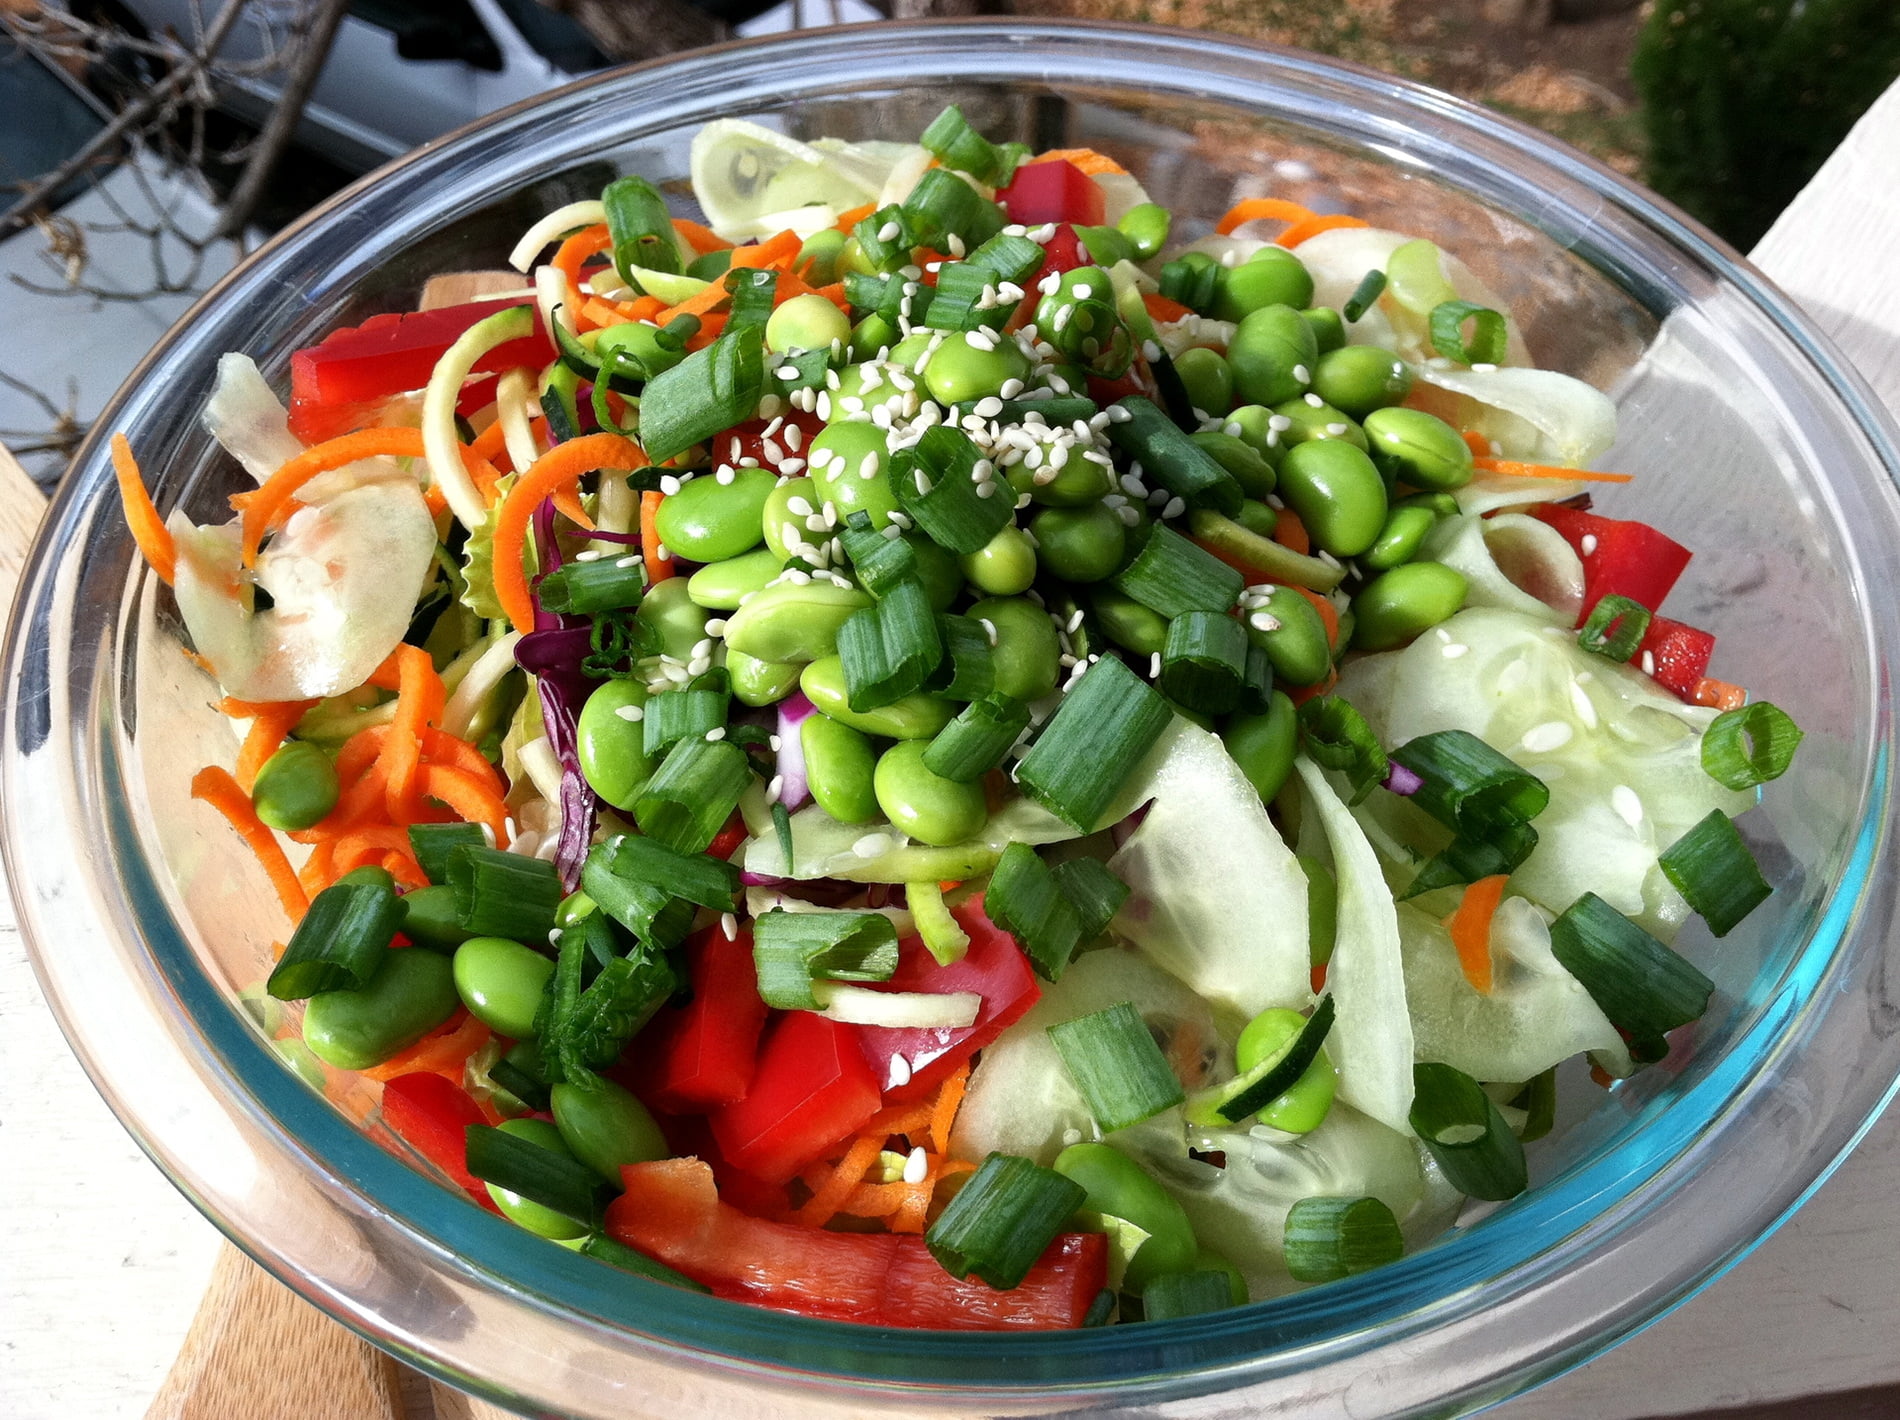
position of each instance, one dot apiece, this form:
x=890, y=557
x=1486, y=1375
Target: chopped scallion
x=340, y=941
x=1488, y=335
x=968, y=669
x=1171, y=460
x=1171, y=575
x=936, y=481
x=1119, y=1070
x=685, y=714
x=1204, y=662
x=705, y=394
x=792, y=949
x=693, y=792
x=974, y=743
x=1330, y=1238
x=432, y=843
x=1179, y=1294
x=1025, y=900
x=1336, y=736
x=1500, y=850
x=1630, y=621
x=1715, y=873
x=602, y=1248
x=1246, y=1095
x=583, y=588
x=1745, y=747
x=959, y=147
x=641, y=228
x=1106, y=724
x=1094, y=891
x=1371, y=286
x=1468, y=786
x=965, y=299
x=1002, y=1220
x=880, y=562
x=522, y=1167
x=1456, y=1120
x=1644, y=988
x=943, y=205
x=889, y=648
x=501, y=894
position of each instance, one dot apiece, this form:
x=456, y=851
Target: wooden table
x=102, y=1264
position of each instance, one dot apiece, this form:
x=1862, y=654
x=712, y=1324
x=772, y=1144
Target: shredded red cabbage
x=794, y=788
x=1402, y=780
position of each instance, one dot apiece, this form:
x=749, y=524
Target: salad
x=935, y=750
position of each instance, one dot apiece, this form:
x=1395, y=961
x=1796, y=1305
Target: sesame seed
x=633, y=713
x=1628, y=806
x=890, y=231
x=729, y=925
x=900, y=1073
x=871, y=845
x=1649, y=663
x=1589, y=543
x=716, y=626
x=669, y=485
x=663, y=552
x=775, y=788
x=1174, y=508
x=716, y=734
x=1314, y=400
x=916, y=1167
x=1541, y=739
x=590, y=555
x=1335, y=429
x=1452, y=650
x=1304, y=376
x=799, y=507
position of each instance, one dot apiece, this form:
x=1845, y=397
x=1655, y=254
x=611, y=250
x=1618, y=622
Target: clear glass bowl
x=1756, y=445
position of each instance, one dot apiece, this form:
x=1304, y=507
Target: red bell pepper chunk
x=432, y=1114
x=747, y=440
x=1620, y=558
x=671, y=1210
x=994, y=967
x=1676, y=655
x=701, y=1055
x=1062, y=252
x=812, y=1088
x=1052, y=191
x=337, y=382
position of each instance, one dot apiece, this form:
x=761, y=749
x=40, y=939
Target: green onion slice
x=1172, y=460
x=959, y=147
x=1002, y=1220
x=889, y=648
x=1371, y=286
x=976, y=742
x=1106, y=724
x=880, y=562
x=1330, y=1238
x=968, y=669
x=966, y=298
x=706, y=393
x=941, y=935
x=583, y=588
x=1336, y=736
x=1179, y=1294
x=1747, y=747
x=1246, y=1095
x=1630, y=620
x=1715, y=873
x=1094, y=891
x=936, y=481
x=1538, y=1100
x=943, y=205
x=1027, y=901
x=1488, y=336
x=1204, y=662
x=886, y=254
x=1457, y=1121
x=791, y=949
x=1121, y=1073
x=581, y=1031
x=1500, y=851
x=501, y=894
x=340, y=942
x=1468, y=786
x=683, y=714
x=602, y=1248
x=1171, y=575
x=433, y=842
x=520, y=1166
x=693, y=792
x=1644, y=988
x=641, y=228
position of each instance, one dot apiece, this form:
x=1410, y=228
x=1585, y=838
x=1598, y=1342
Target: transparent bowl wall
x=1754, y=443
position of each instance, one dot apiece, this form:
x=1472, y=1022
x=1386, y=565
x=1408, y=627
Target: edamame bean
x=924, y=804
x=1206, y=1261
x=849, y=462
x=862, y=390
x=1076, y=484
x=1128, y=623
x=793, y=621
x=1027, y=656
x=500, y=981
x=818, y=261
x=412, y=993
x=916, y=717
x=1080, y=320
x=1399, y=539
x=610, y=742
x=1328, y=329
x=1419, y=448
x=871, y=335
x=708, y=521
x=1262, y=745
x=1146, y=227
x=1272, y=276
x=1289, y=629
x=535, y=1217
x=1258, y=518
x=642, y=344
x=1303, y=1108
x=430, y=920
x=1121, y=1188
x=756, y=682
x=1441, y=505
x=1252, y=424
x=785, y=531
x=1322, y=910
x=839, y=763
x=1210, y=384
x=908, y=351
x=1306, y=422
x=938, y=570
x=605, y=1127
x=575, y=907
x=965, y=368
x=1337, y=492
x=1003, y=566
x=1397, y=605
x=1272, y=356
x=1362, y=378
x=1252, y=471
x=1079, y=544
x=720, y=586
x=297, y=786
x=807, y=322
x=668, y=608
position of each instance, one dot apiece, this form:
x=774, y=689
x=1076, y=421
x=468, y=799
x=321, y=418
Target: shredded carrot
x=1479, y=445
x=1313, y=226
x=154, y=539
x=473, y=800
x=263, y=504
x=318, y=870
x=1328, y=614
x=700, y=304
x=711, y=327
x=944, y=1113
x=777, y=252
x=1309, y=692
x=1162, y=309
x=915, y=1212
x=1601, y=1077
x=849, y=1173
x=847, y=220
x=361, y=801
x=898, y=1119
x=1719, y=694
x=371, y=845
x=833, y=293
x=1470, y=928
x=568, y=258
x=441, y=747
x=1543, y=470
x=491, y=441
x=245, y=709
x=217, y=788
x=435, y=500
x=559, y=467
x=268, y=729
x=1291, y=532
x=483, y=474
x=1252, y=209
x=659, y=568
x=444, y=1051
x=1086, y=159
x=700, y=238
x=874, y=1200
x=601, y=314
x=419, y=701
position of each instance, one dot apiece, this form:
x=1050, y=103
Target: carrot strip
x=711, y=327
x=844, y=1179
x=263, y=504
x=440, y=747
x=898, y=1119
x=1291, y=532
x=318, y=870
x=559, y=467
x=419, y=701
x=1313, y=226
x=268, y=729
x=1162, y=309
x=601, y=313
x=775, y=252
x=217, y=788
x=491, y=441
x=1252, y=209
x=1087, y=159
x=1308, y=692
x=944, y=1113
x=874, y=1200
x=833, y=293
x=468, y=796
x=847, y=220
x=246, y=709
x=659, y=565
x=360, y=751
x=444, y=1051
x=1479, y=445
x=1544, y=470
x=483, y=474
x=1328, y=614
x=1470, y=928
x=364, y=846
x=1719, y=694
x=699, y=304
x=359, y=802
x=568, y=258
x=154, y=539
x=700, y=239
